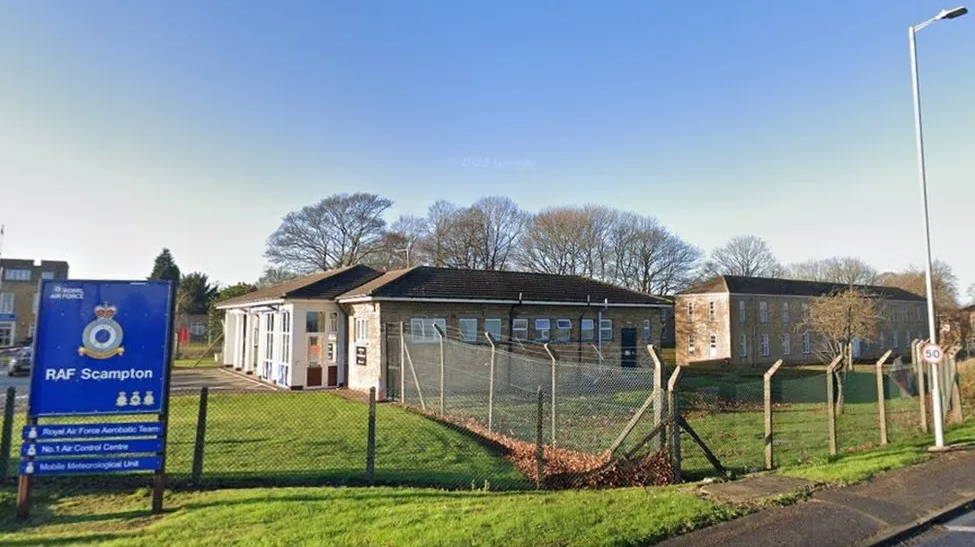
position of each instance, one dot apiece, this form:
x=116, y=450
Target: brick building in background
x=19, y=281
x=754, y=321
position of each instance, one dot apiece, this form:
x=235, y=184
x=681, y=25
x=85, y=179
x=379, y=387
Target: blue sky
x=129, y=126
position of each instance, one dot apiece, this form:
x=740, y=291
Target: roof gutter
x=520, y=301
x=254, y=304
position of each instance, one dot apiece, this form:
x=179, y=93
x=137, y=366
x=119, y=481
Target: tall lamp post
x=939, y=438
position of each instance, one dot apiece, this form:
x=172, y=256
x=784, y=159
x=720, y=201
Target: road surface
x=958, y=532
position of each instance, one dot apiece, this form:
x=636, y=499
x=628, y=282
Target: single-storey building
x=571, y=313
x=330, y=329
x=754, y=321
x=293, y=334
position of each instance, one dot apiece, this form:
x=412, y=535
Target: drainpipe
x=581, y=317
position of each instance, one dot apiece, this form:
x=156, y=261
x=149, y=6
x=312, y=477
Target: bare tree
x=501, y=224
x=943, y=280
x=649, y=258
x=340, y=230
x=971, y=294
x=846, y=270
x=748, y=256
x=483, y=236
x=275, y=276
x=835, y=321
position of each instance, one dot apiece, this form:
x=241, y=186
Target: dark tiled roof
x=792, y=287
x=322, y=285
x=969, y=309
x=448, y=283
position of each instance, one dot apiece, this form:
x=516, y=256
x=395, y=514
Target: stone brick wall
x=381, y=314
x=694, y=318
x=900, y=320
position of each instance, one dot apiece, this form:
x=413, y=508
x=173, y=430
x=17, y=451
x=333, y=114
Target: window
x=806, y=343
x=606, y=330
x=543, y=328
x=690, y=312
x=711, y=312
x=468, y=329
x=7, y=302
x=422, y=330
x=333, y=322
x=647, y=334
x=713, y=346
x=330, y=349
x=30, y=330
x=563, y=330
x=314, y=321
x=893, y=339
x=286, y=337
x=360, y=330
x=47, y=275
x=742, y=311
x=268, y=345
x=785, y=313
x=690, y=344
x=493, y=326
x=766, y=350
x=763, y=312
x=587, y=330
x=197, y=329
x=519, y=329
x=786, y=344
x=6, y=334
x=805, y=311
x=742, y=345
x=16, y=275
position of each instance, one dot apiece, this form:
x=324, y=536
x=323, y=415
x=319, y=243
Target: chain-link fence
x=491, y=414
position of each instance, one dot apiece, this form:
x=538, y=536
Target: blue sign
x=87, y=431
x=8, y=317
x=101, y=347
x=90, y=448
x=90, y=465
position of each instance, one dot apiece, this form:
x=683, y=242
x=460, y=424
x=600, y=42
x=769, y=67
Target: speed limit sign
x=932, y=353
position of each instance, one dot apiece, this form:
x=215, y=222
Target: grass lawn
x=860, y=466
x=363, y=516
x=319, y=437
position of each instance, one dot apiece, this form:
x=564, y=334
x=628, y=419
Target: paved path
x=217, y=379
x=855, y=515
x=957, y=532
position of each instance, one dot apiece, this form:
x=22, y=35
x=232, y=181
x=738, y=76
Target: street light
x=939, y=439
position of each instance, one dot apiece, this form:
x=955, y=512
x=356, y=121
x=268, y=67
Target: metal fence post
x=539, y=448
x=490, y=422
x=881, y=398
x=554, y=412
x=919, y=371
x=442, y=371
x=371, y=440
x=201, y=428
x=767, y=385
x=6, y=435
x=658, y=402
x=956, y=412
x=831, y=402
x=402, y=366
x=674, y=396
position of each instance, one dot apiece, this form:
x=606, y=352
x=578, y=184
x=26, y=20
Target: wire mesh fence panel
x=800, y=417
x=901, y=401
x=858, y=414
x=594, y=404
x=726, y=412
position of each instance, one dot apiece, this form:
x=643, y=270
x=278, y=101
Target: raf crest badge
x=102, y=337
